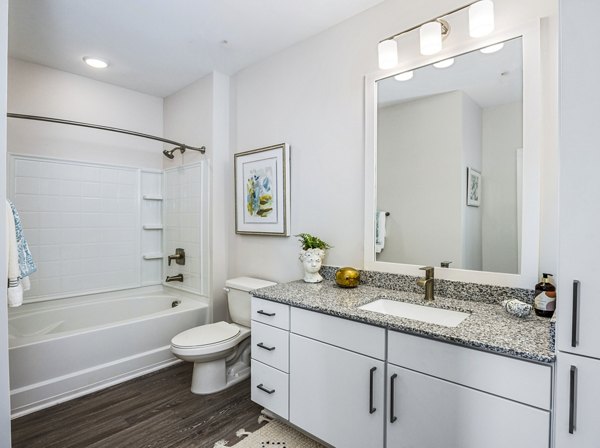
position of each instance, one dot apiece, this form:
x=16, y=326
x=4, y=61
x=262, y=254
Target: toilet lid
x=206, y=335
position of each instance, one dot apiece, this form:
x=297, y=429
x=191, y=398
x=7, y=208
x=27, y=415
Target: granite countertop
x=488, y=328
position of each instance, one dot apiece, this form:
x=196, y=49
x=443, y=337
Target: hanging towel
x=379, y=231
x=26, y=264
x=15, y=290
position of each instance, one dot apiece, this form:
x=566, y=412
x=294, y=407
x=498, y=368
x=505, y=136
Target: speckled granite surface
x=489, y=327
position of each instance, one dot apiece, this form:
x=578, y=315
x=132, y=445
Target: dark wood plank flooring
x=156, y=410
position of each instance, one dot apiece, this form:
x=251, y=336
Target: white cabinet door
x=335, y=394
x=579, y=241
x=577, y=397
x=426, y=412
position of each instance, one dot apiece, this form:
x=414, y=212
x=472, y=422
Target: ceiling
x=160, y=46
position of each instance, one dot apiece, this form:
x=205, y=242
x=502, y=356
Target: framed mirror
x=452, y=163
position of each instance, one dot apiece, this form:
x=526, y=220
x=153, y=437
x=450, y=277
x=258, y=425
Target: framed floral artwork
x=262, y=191
x=473, y=187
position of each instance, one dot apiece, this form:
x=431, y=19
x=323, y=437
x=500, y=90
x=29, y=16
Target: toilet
x=221, y=351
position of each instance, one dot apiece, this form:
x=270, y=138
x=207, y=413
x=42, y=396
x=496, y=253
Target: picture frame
x=262, y=191
x=473, y=187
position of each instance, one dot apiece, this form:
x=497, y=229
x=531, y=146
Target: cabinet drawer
x=355, y=336
x=521, y=381
x=270, y=388
x=271, y=313
x=270, y=346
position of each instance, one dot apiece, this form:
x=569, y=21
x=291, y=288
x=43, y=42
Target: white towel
x=379, y=231
x=15, y=290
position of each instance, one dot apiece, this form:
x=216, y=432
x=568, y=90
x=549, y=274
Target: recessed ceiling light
x=95, y=62
x=445, y=63
x=404, y=76
x=492, y=48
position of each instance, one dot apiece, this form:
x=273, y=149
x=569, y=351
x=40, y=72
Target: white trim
x=530, y=33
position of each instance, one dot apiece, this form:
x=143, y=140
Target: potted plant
x=311, y=256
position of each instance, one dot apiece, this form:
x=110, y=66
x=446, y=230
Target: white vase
x=312, y=259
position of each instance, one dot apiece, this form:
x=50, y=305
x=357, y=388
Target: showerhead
x=170, y=155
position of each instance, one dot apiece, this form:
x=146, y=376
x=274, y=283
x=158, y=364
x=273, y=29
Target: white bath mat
x=271, y=435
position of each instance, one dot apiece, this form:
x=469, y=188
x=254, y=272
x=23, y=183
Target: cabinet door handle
x=264, y=313
x=264, y=389
x=261, y=345
x=575, y=317
x=572, y=399
x=371, y=408
x=393, y=418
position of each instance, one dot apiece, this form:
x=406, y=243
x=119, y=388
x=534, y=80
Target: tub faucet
x=175, y=278
x=427, y=282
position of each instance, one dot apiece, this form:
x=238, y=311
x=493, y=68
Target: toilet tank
x=238, y=297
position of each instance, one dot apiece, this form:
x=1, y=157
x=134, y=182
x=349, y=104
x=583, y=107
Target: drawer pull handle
x=264, y=389
x=371, y=408
x=572, y=399
x=264, y=313
x=575, y=317
x=393, y=417
x=261, y=345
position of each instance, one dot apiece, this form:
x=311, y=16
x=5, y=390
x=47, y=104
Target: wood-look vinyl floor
x=157, y=410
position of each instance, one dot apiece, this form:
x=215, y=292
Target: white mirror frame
x=530, y=216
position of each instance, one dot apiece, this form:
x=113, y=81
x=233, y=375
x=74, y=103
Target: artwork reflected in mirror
x=449, y=155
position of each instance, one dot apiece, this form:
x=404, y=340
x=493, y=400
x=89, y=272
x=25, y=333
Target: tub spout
x=174, y=278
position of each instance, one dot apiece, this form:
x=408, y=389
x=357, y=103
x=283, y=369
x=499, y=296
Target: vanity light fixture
x=445, y=63
x=95, y=62
x=434, y=31
x=405, y=76
x=492, y=48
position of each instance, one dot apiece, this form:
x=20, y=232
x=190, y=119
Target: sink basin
x=431, y=315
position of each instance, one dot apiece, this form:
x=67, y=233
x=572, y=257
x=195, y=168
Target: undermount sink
x=429, y=314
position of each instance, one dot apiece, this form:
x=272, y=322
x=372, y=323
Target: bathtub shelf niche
x=152, y=197
x=152, y=227
x=152, y=256
x=152, y=235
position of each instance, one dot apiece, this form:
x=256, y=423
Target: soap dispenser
x=544, y=303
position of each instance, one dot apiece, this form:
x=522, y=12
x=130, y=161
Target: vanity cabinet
x=356, y=385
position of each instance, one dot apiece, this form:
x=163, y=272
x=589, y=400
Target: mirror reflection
x=449, y=156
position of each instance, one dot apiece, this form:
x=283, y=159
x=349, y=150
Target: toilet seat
x=206, y=335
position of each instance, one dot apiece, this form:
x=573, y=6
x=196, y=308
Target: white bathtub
x=65, y=348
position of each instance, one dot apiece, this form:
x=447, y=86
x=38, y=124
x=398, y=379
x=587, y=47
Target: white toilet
x=221, y=351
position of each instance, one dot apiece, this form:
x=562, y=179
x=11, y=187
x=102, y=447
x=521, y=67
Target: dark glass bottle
x=544, y=303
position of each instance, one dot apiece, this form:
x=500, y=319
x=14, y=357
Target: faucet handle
x=428, y=271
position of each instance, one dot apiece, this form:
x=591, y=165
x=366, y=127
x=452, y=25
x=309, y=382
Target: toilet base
x=217, y=375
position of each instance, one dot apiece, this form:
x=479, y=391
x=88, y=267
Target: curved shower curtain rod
x=178, y=145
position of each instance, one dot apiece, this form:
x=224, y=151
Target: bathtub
x=62, y=349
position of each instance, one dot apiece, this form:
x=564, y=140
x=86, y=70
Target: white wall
x=4, y=385
x=421, y=202
x=37, y=90
x=502, y=136
x=471, y=157
x=199, y=115
x=312, y=96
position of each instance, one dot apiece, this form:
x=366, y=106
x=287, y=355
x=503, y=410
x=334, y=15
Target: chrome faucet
x=427, y=282
x=175, y=278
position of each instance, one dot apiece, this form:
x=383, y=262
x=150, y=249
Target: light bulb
x=95, y=62
x=492, y=48
x=388, y=54
x=431, y=38
x=404, y=76
x=445, y=63
x=481, y=18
